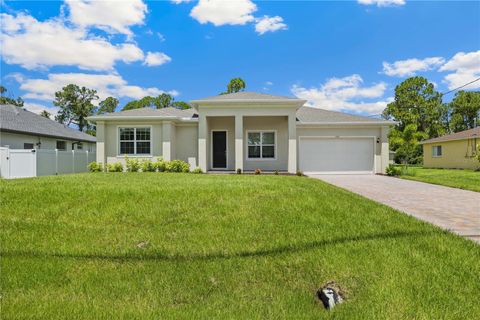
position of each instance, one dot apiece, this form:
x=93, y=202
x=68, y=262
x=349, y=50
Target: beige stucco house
x=247, y=130
x=457, y=150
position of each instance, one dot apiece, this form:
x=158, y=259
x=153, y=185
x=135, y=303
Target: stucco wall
x=455, y=154
x=16, y=141
x=186, y=142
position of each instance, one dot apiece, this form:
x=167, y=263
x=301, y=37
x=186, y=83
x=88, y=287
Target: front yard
x=463, y=179
x=169, y=246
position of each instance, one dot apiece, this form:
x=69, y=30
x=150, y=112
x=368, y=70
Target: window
x=437, y=151
x=79, y=146
x=28, y=146
x=135, y=141
x=61, y=145
x=261, y=144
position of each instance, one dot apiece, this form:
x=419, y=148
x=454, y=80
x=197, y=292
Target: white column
x=239, y=142
x=167, y=141
x=292, y=144
x=101, y=155
x=202, y=142
x=384, y=150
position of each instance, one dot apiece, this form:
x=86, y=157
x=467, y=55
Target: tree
x=417, y=102
x=75, y=105
x=164, y=100
x=9, y=100
x=406, y=143
x=45, y=114
x=235, y=85
x=107, y=106
x=182, y=105
x=465, y=110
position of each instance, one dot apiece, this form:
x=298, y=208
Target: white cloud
x=156, y=59
x=269, y=24
x=221, y=12
x=38, y=108
x=465, y=68
x=34, y=44
x=105, y=84
x=382, y=3
x=343, y=94
x=109, y=15
x=409, y=67
x=181, y=1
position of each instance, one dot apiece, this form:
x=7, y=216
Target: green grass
x=221, y=247
x=463, y=179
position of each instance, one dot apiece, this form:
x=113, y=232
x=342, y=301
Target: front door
x=219, y=150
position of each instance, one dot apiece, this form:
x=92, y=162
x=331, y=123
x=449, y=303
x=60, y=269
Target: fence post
x=56, y=162
x=87, y=160
x=73, y=161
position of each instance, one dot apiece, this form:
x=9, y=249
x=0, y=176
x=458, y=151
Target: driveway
x=453, y=209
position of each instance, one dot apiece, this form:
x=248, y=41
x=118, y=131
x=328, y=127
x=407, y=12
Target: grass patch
x=221, y=246
x=456, y=178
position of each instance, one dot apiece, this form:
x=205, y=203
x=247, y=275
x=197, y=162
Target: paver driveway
x=453, y=209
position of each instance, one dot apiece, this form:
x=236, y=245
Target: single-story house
x=22, y=129
x=457, y=150
x=247, y=131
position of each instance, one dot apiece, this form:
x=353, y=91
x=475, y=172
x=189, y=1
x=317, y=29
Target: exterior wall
x=186, y=142
x=380, y=134
x=16, y=141
x=455, y=154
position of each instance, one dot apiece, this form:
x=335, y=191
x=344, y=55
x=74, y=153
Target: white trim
x=346, y=123
x=247, y=158
x=374, y=139
x=135, y=147
x=226, y=149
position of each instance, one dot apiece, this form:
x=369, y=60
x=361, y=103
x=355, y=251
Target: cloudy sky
x=344, y=55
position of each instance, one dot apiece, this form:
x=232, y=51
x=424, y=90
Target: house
x=247, y=130
x=457, y=150
x=22, y=129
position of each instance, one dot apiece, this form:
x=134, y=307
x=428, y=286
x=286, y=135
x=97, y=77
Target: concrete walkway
x=453, y=209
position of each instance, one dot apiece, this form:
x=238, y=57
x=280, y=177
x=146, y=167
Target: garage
x=336, y=154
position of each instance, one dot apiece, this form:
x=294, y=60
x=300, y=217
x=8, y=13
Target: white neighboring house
x=22, y=129
x=247, y=130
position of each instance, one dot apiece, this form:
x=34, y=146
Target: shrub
x=177, y=166
x=275, y=172
x=299, y=173
x=239, y=171
x=115, y=167
x=147, y=166
x=393, y=170
x=95, y=167
x=197, y=170
x=160, y=165
x=133, y=165
x=258, y=171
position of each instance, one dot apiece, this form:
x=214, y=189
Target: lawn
x=463, y=179
x=184, y=246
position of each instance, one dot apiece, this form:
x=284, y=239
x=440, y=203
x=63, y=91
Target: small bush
x=239, y=171
x=95, y=167
x=299, y=173
x=133, y=165
x=258, y=171
x=160, y=165
x=393, y=170
x=115, y=167
x=147, y=166
x=178, y=166
x=197, y=170
x=276, y=172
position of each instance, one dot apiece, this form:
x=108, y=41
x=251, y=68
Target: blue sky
x=343, y=55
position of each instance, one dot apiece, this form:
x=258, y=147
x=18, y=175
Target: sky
x=338, y=55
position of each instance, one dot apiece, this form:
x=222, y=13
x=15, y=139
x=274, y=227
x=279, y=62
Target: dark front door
x=219, y=149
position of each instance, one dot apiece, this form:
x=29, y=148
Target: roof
x=318, y=116
x=149, y=113
x=462, y=135
x=15, y=119
x=245, y=95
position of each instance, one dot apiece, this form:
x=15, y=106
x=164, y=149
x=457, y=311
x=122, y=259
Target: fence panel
x=80, y=159
x=46, y=162
x=4, y=163
x=64, y=162
x=22, y=163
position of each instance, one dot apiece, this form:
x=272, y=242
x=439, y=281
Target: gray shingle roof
x=20, y=120
x=310, y=114
x=462, y=135
x=246, y=96
x=164, y=112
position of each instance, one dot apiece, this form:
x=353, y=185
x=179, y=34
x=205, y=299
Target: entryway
x=219, y=149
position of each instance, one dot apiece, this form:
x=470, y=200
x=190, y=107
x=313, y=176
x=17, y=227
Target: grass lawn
x=170, y=246
x=463, y=179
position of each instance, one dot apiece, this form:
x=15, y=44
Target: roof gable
x=462, y=135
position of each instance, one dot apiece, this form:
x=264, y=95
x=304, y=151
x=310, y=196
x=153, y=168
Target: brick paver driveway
x=453, y=209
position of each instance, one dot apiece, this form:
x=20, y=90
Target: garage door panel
x=336, y=154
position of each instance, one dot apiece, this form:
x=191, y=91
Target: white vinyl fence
x=19, y=163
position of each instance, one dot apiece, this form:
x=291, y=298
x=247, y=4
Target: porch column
x=101, y=142
x=167, y=141
x=292, y=143
x=384, y=151
x=238, y=142
x=202, y=142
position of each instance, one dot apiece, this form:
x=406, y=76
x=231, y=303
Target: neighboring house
x=22, y=129
x=247, y=130
x=457, y=150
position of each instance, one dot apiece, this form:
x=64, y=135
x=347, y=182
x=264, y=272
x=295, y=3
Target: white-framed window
x=61, y=145
x=79, y=146
x=437, y=151
x=261, y=145
x=134, y=140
